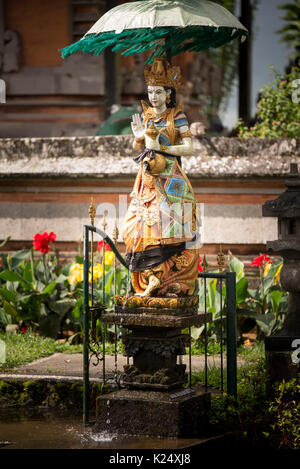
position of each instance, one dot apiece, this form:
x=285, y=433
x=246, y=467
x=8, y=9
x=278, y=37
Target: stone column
x=282, y=362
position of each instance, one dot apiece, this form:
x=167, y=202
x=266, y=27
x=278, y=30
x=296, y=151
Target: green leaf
x=241, y=290
x=61, y=307
x=27, y=272
x=5, y=241
x=266, y=284
x=212, y=292
x=49, y=289
x=18, y=257
x=77, y=310
x=237, y=266
x=266, y=322
x=61, y=278
x=5, y=319
x=8, y=295
x=9, y=309
x=196, y=332
x=276, y=296
x=108, y=282
x=10, y=276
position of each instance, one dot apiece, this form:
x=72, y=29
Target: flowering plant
x=264, y=306
x=34, y=291
x=268, y=302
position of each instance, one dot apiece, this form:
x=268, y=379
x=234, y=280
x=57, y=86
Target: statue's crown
x=161, y=74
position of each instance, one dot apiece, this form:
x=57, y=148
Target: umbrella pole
x=169, y=55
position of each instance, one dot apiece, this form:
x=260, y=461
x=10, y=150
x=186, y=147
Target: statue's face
x=157, y=95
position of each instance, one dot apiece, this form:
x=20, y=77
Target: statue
x=160, y=227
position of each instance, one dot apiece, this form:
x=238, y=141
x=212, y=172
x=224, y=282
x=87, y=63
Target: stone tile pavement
x=63, y=366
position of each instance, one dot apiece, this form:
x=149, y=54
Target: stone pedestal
x=132, y=412
x=154, y=401
x=154, y=338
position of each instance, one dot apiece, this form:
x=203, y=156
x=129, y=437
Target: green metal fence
x=95, y=346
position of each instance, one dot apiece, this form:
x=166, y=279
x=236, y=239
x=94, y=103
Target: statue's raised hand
x=137, y=127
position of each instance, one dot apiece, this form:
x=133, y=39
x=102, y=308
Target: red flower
x=260, y=261
x=100, y=246
x=200, y=268
x=24, y=328
x=42, y=241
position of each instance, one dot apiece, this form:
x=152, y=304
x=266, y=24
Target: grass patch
x=25, y=348
x=249, y=354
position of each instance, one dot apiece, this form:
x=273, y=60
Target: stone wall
x=46, y=184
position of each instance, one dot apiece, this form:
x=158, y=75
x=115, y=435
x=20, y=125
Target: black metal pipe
x=86, y=391
x=221, y=337
x=110, y=242
x=211, y=275
x=205, y=343
x=190, y=359
x=231, y=334
x=245, y=61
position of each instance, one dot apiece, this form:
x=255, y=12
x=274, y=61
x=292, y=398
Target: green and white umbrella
x=160, y=25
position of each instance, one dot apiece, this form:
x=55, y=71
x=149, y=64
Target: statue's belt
x=143, y=260
x=151, y=155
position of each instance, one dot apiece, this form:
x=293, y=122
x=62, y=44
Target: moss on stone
x=40, y=393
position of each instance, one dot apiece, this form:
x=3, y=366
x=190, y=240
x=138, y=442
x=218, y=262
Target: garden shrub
x=278, y=110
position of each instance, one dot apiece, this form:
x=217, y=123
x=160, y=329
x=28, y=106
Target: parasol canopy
x=160, y=25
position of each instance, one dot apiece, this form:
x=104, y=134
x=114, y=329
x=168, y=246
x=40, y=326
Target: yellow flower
x=76, y=271
x=76, y=267
x=277, y=275
x=97, y=272
x=109, y=257
x=267, y=268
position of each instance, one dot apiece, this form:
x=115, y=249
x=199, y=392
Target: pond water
x=25, y=429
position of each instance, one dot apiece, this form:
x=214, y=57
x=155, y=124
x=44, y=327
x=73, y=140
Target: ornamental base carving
x=154, y=339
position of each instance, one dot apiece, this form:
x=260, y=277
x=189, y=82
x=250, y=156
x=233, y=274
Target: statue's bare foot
x=174, y=290
x=154, y=283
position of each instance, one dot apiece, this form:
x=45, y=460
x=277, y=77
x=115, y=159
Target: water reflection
x=44, y=429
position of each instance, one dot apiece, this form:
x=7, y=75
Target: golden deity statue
x=160, y=229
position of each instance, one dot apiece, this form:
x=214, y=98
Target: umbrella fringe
x=135, y=41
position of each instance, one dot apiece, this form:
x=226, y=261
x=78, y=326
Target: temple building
x=47, y=96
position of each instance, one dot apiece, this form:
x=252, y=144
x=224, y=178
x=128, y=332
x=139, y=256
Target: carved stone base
x=164, y=379
x=148, y=303
x=154, y=351
x=160, y=414
x=154, y=339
